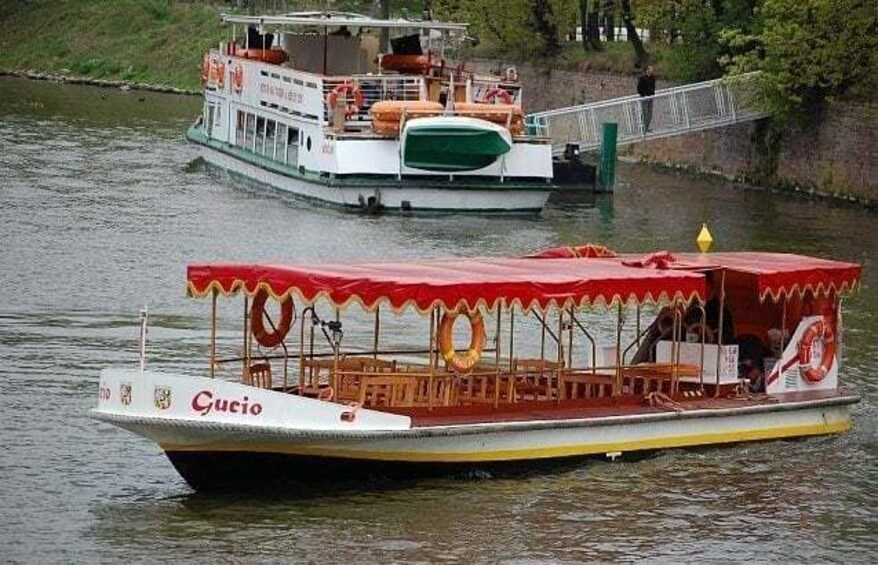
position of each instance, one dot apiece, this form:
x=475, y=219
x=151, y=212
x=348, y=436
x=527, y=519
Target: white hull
x=390, y=198
x=294, y=425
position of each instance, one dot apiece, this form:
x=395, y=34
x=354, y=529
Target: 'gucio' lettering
x=204, y=403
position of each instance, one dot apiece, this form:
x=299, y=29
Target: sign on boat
x=635, y=353
x=304, y=103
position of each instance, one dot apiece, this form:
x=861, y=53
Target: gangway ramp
x=675, y=111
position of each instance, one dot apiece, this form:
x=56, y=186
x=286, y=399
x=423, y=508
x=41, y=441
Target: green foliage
x=810, y=51
x=509, y=26
x=153, y=41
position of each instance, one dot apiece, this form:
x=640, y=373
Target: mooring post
x=608, y=157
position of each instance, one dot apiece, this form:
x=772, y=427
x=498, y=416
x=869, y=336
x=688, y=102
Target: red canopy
x=450, y=283
x=777, y=275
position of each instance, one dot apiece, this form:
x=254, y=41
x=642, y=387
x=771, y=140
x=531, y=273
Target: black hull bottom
x=304, y=475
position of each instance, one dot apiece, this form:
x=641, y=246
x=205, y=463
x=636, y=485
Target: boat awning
x=777, y=275
x=452, y=283
x=338, y=19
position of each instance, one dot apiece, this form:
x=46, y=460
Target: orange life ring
x=466, y=361
x=495, y=92
x=218, y=73
x=821, y=330
x=257, y=323
x=238, y=78
x=351, y=109
x=205, y=69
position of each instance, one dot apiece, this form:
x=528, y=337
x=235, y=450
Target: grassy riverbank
x=142, y=41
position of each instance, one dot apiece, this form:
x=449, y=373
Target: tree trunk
x=591, y=34
x=610, y=19
x=594, y=25
x=545, y=27
x=641, y=56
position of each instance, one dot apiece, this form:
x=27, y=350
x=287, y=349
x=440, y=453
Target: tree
x=810, y=51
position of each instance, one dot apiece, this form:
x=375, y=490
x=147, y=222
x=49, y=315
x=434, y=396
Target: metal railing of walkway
x=670, y=112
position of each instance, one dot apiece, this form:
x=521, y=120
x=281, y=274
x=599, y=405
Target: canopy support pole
x=377, y=329
x=497, y=360
x=432, y=362
x=511, y=337
x=245, y=370
x=213, y=334
x=617, y=388
x=560, y=352
x=719, y=339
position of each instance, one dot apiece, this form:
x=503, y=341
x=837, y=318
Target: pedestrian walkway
x=671, y=111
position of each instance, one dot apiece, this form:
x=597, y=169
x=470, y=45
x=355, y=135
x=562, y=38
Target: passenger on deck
x=693, y=318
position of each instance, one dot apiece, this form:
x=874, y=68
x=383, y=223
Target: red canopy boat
x=586, y=352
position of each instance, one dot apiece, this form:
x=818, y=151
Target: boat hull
x=437, y=194
x=304, y=439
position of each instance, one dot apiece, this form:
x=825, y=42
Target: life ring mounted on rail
x=238, y=78
x=819, y=330
x=205, y=69
x=462, y=362
x=264, y=337
x=504, y=95
x=349, y=90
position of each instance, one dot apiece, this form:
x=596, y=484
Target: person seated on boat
x=343, y=31
x=751, y=361
x=661, y=328
x=693, y=321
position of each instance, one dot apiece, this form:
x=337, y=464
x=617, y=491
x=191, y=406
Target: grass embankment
x=141, y=41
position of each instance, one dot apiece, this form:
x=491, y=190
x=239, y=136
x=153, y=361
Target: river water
x=102, y=204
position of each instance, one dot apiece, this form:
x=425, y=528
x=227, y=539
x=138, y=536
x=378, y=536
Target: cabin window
x=280, y=144
x=259, y=143
x=250, y=132
x=268, y=151
x=292, y=156
x=239, y=128
x=217, y=110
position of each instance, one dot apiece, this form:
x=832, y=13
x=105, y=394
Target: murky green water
x=101, y=209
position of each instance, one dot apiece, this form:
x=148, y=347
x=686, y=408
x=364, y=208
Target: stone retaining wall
x=836, y=155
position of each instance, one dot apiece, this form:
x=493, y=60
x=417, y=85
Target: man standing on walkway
x=646, y=87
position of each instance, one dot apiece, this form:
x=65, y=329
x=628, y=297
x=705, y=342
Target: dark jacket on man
x=646, y=85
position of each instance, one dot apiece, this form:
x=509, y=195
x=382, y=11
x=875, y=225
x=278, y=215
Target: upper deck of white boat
x=311, y=20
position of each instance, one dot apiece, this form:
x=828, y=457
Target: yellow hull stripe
x=525, y=454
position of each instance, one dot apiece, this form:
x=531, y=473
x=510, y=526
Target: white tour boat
x=742, y=346
x=304, y=103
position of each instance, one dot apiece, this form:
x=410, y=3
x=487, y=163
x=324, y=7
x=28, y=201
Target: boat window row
x=267, y=137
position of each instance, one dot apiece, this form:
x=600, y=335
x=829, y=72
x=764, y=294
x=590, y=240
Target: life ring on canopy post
x=352, y=108
x=264, y=337
x=504, y=95
x=819, y=330
x=462, y=362
x=238, y=78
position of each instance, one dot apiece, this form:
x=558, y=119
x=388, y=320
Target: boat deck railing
x=374, y=89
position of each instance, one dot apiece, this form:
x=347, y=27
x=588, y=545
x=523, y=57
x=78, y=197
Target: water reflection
x=103, y=205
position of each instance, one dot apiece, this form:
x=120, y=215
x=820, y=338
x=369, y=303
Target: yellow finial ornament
x=704, y=239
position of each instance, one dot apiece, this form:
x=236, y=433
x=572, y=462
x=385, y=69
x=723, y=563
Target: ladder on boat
x=671, y=111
